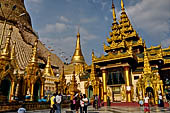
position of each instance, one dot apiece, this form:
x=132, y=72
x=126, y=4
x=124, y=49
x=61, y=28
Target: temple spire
x=93, y=68
x=113, y=11
x=147, y=67
x=5, y=51
x=48, y=70
x=122, y=6
x=78, y=56
x=48, y=61
x=34, y=59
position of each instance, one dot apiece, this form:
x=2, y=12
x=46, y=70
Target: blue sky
x=57, y=21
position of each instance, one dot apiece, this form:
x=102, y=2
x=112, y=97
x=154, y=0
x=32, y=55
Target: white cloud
x=51, y=28
x=60, y=27
x=152, y=17
x=63, y=19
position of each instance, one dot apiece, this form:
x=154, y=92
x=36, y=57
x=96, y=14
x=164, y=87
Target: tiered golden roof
x=32, y=68
x=124, y=39
x=78, y=56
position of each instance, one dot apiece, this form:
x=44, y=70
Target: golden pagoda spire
x=93, y=68
x=147, y=67
x=13, y=51
x=78, y=56
x=113, y=10
x=122, y=6
x=48, y=71
x=34, y=59
x=5, y=51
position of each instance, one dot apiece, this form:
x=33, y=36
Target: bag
x=81, y=103
x=86, y=103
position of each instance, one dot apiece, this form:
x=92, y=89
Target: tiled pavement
x=112, y=109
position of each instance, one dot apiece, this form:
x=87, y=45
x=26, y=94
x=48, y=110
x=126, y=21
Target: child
x=146, y=104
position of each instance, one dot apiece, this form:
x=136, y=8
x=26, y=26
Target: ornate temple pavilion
x=129, y=69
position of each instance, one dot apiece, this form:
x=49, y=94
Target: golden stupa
x=78, y=56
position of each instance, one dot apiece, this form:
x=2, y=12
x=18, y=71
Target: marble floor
x=110, y=109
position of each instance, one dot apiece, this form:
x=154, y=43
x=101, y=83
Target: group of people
x=55, y=103
x=79, y=102
x=147, y=101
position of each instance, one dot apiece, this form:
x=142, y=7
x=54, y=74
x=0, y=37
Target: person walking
x=85, y=100
x=146, y=104
x=81, y=104
x=52, y=103
x=77, y=103
x=99, y=102
x=58, y=102
x=73, y=102
x=96, y=102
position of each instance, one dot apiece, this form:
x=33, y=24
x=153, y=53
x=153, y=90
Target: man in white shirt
x=58, y=103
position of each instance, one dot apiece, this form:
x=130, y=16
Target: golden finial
x=122, y=5
x=5, y=51
x=113, y=11
x=34, y=59
x=78, y=34
x=147, y=67
x=48, y=61
x=13, y=51
x=92, y=54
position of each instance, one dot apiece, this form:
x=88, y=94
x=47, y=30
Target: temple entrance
x=5, y=90
x=37, y=89
x=150, y=93
x=90, y=91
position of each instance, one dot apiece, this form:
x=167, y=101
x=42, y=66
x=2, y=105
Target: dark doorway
x=5, y=90
x=37, y=90
x=90, y=91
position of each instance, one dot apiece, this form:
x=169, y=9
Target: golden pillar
x=42, y=91
x=143, y=89
x=12, y=91
x=104, y=85
x=97, y=90
x=32, y=91
x=101, y=88
x=128, y=84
